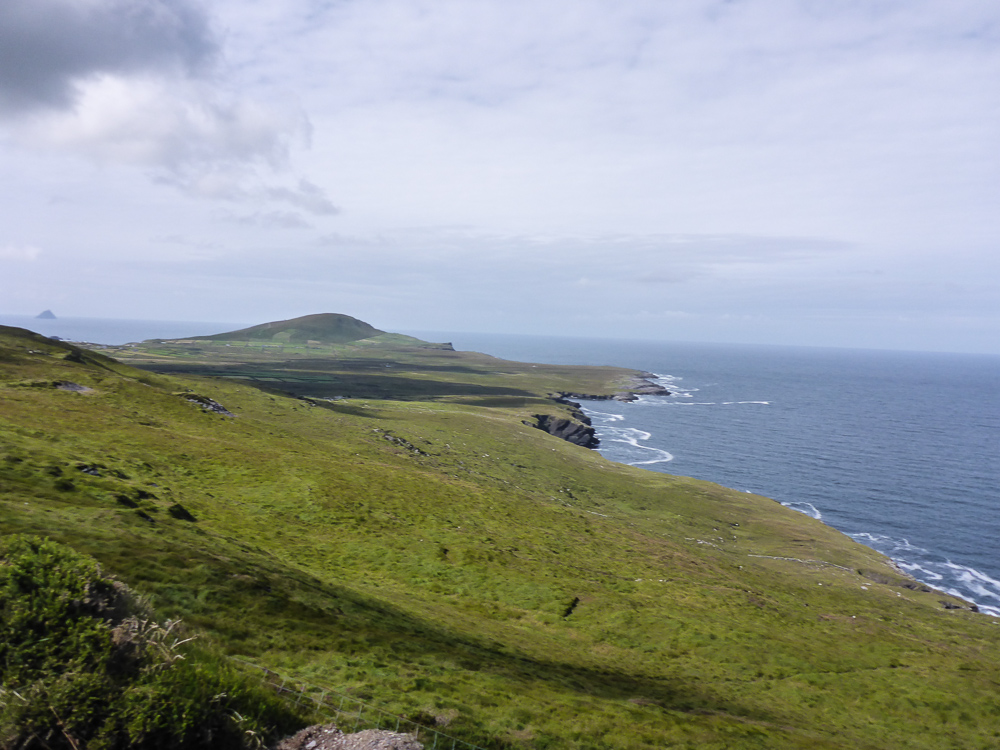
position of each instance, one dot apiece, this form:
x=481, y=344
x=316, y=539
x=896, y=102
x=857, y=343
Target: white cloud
x=19, y=252
x=306, y=196
x=739, y=161
x=763, y=117
x=165, y=124
x=138, y=83
x=273, y=219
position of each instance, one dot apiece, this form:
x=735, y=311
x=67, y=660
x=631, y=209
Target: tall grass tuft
x=85, y=664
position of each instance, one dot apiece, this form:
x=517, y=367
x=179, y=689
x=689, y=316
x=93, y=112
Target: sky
x=758, y=171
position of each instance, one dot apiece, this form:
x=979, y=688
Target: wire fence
x=353, y=715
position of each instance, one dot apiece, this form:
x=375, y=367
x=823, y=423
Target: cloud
x=306, y=196
x=48, y=48
x=141, y=83
x=771, y=116
x=434, y=260
x=176, y=126
x=19, y=252
x=274, y=220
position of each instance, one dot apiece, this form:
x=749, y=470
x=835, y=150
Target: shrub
x=84, y=664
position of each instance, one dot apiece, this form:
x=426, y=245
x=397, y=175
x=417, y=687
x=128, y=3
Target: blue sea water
x=899, y=450
x=111, y=331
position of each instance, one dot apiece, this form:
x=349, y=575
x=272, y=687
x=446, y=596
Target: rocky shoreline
x=577, y=429
x=637, y=385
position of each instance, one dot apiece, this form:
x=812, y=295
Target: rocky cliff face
x=639, y=385
x=568, y=429
x=575, y=429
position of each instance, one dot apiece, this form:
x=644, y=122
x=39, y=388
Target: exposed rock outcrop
x=329, y=737
x=207, y=404
x=577, y=410
x=571, y=430
x=639, y=385
x=577, y=428
x=643, y=385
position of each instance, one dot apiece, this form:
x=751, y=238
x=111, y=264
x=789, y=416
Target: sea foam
x=808, y=508
x=897, y=450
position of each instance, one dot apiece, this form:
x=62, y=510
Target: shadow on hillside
x=502, y=402
x=375, y=365
x=374, y=384
x=302, y=612
x=397, y=388
x=254, y=603
x=411, y=640
x=342, y=408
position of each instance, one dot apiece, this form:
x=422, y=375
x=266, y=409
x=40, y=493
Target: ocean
x=898, y=450
x=110, y=331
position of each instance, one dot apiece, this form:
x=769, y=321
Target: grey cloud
x=274, y=220
x=126, y=81
x=307, y=197
x=445, y=258
x=48, y=46
x=335, y=240
x=184, y=241
x=243, y=186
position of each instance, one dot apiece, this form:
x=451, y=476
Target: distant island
x=45, y=315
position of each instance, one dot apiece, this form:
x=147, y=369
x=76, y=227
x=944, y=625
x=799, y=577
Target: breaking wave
x=962, y=581
x=808, y=508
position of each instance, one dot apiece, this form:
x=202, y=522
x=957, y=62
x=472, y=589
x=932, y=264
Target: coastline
x=446, y=542
x=640, y=384
x=604, y=434
x=728, y=366
x=578, y=428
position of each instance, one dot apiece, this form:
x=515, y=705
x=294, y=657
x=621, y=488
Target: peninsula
x=382, y=518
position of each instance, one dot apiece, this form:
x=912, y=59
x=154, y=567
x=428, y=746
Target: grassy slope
x=424, y=554
x=385, y=366
x=328, y=327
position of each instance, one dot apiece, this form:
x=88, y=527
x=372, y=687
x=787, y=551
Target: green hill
x=442, y=558
x=323, y=328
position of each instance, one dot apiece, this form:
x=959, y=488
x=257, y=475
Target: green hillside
x=323, y=328
x=433, y=554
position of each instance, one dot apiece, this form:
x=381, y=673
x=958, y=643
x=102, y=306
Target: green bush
x=84, y=664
